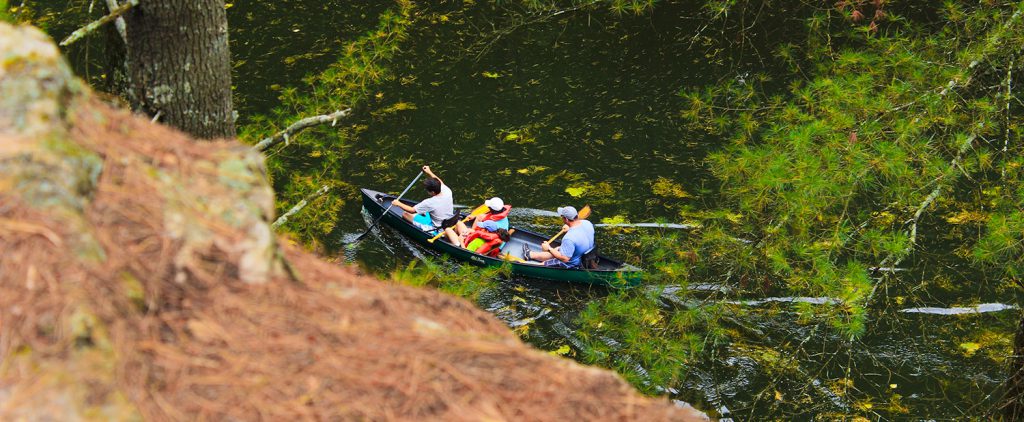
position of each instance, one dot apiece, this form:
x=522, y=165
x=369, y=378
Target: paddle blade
x=513, y=258
x=481, y=210
x=585, y=212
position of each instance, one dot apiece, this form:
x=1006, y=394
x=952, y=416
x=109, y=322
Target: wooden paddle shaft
x=464, y=220
x=556, y=236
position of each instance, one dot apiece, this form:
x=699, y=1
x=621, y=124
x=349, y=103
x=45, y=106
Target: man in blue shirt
x=578, y=240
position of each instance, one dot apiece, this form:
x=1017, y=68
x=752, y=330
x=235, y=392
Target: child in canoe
x=497, y=212
x=486, y=239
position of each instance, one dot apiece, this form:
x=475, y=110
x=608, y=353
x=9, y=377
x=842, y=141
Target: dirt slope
x=139, y=279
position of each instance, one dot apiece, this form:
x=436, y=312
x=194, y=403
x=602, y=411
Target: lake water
x=590, y=99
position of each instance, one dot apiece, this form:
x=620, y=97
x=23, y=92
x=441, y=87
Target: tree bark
x=180, y=65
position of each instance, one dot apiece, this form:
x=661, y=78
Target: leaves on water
x=617, y=219
x=520, y=136
x=531, y=170
x=394, y=108
x=969, y=348
x=576, y=192
x=668, y=189
x=600, y=190
x=490, y=75
x=967, y=217
x=561, y=351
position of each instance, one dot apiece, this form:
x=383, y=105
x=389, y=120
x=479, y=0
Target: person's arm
x=426, y=169
x=557, y=252
x=403, y=206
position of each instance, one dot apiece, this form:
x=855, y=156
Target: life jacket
x=491, y=242
x=498, y=217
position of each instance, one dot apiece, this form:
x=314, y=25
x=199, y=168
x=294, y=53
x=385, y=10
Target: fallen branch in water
x=284, y=135
x=298, y=207
x=92, y=26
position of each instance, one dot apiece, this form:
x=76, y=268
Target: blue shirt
x=503, y=223
x=578, y=241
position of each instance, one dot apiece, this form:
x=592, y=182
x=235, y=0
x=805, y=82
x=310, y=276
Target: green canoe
x=609, y=273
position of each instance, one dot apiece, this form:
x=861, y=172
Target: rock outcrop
x=140, y=279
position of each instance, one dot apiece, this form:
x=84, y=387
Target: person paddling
x=435, y=212
x=579, y=239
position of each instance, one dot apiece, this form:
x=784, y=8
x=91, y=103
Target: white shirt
x=441, y=206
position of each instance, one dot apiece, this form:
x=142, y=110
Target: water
x=594, y=96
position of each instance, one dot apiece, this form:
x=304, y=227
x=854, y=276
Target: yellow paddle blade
x=479, y=211
x=585, y=212
x=513, y=258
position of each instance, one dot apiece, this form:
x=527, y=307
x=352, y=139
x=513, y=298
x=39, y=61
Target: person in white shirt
x=435, y=212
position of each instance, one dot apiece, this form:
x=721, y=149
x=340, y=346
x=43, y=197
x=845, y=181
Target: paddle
x=478, y=211
x=513, y=258
x=388, y=209
x=584, y=213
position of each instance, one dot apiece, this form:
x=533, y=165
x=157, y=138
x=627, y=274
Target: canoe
x=610, y=272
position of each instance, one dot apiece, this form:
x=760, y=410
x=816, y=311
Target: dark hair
x=432, y=185
x=503, y=235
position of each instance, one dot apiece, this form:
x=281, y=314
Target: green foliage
x=835, y=176
x=464, y=280
x=642, y=333
x=645, y=341
x=313, y=158
x=5, y=15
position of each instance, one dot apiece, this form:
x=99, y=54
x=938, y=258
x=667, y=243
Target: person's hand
x=426, y=169
x=545, y=246
x=396, y=203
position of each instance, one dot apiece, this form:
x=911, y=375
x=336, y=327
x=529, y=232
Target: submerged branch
x=298, y=207
x=894, y=259
x=285, y=135
x=92, y=26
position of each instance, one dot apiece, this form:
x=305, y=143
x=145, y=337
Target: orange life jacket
x=491, y=241
x=495, y=216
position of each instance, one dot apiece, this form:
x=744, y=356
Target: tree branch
x=896, y=258
x=298, y=207
x=86, y=30
x=284, y=135
x=119, y=22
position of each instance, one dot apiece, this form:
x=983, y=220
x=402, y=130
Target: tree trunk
x=180, y=65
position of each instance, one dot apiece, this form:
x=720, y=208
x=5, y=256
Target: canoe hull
x=622, y=276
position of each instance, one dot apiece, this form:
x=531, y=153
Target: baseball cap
x=568, y=212
x=495, y=204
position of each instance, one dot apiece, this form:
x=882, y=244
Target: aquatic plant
x=460, y=280
x=835, y=176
